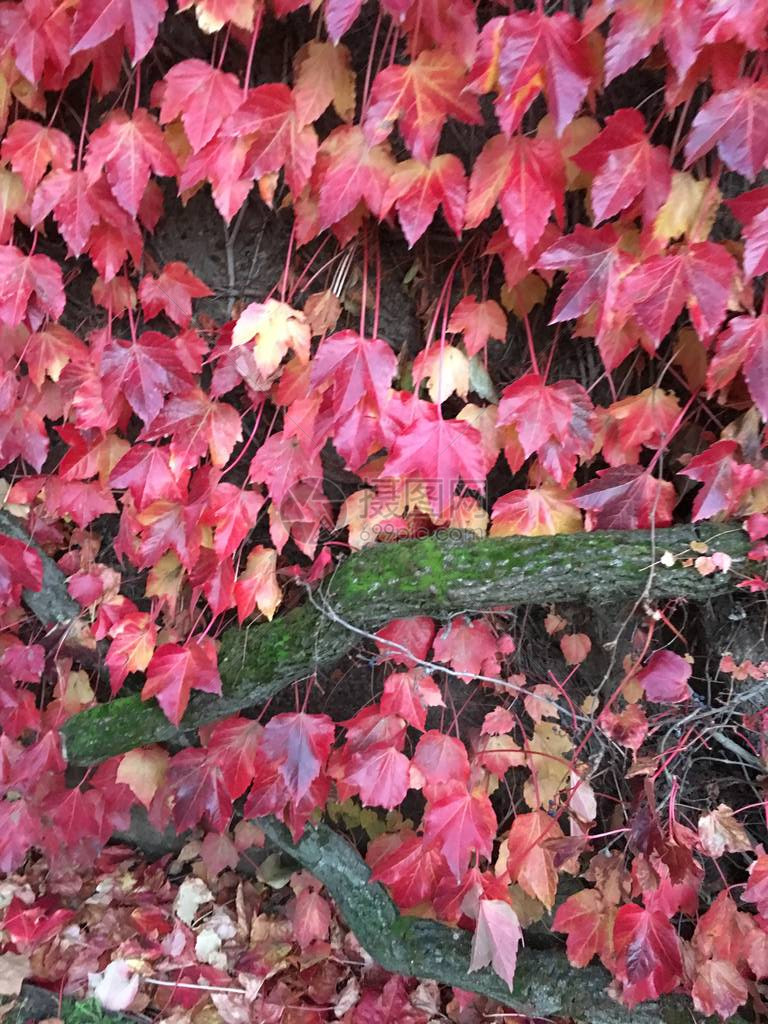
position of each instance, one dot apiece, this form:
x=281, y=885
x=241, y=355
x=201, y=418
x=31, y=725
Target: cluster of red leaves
x=186, y=434
x=267, y=948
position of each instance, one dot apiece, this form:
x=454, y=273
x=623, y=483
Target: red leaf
x=743, y=344
x=588, y=923
x=350, y=170
x=172, y=293
x=20, y=566
x=538, y=52
x=409, y=694
x=196, y=783
x=339, y=16
x=665, y=678
x=129, y=148
x=380, y=775
x=299, y=744
x=625, y=164
x=143, y=371
x=737, y=120
x=478, y=322
x=233, y=511
x=235, y=745
x=416, y=190
x=420, y=96
x=438, y=453
x=756, y=890
x=440, y=759
x=470, y=648
x=699, y=276
x=460, y=823
x=96, y=21
x=147, y=472
x=553, y=420
x=527, y=177
x=496, y=940
x=358, y=369
x=31, y=147
x=725, y=480
x=626, y=498
x=529, y=862
x=751, y=209
x=175, y=671
x=196, y=424
x=31, y=287
x=275, y=135
x=203, y=96
x=719, y=988
x=408, y=868
x=411, y=637
x=648, y=953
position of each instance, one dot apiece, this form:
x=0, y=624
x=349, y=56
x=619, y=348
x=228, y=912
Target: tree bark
x=545, y=983
x=439, y=576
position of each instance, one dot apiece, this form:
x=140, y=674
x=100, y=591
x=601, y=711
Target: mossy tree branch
x=437, y=576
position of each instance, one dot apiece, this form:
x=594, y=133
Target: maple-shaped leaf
x=257, y=586
x=539, y=512
x=143, y=371
x=196, y=783
x=438, y=453
x=47, y=352
x=553, y=420
x=281, y=462
x=597, y=266
x=299, y=745
x=699, y=276
x=12, y=202
x=196, y=425
x=648, y=953
x=143, y=771
x=624, y=164
x=358, y=369
x=720, y=832
x=379, y=774
x=587, y=920
x=402, y=640
x=459, y=824
x=742, y=345
x=470, y=648
x=276, y=136
x=532, y=52
x=323, y=74
x=129, y=147
x=31, y=288
x=410, y=694
x=643, y=420
x=270, y=328
x=725, y=480
x=626, y=498
x=527, y=178
x=233, y=511
x=235, y=744
x=172, y=293
x=529, y=862
x=410, y=870
x=439, y=758
x=665, y=678
x=737, y=121
x=146, y=471
x=97, y=21
x=222, y=162
x=349, y=170
x=176, y=670
x=30, y=148
x=719, y=988
x=419, y=95
x=202, y=95
x=751, y=210
x=478, y=322
x=629, y=728
x=68, y=194
x=29, y=926
x=416, y=190
x=497, y=937
x=131, y=647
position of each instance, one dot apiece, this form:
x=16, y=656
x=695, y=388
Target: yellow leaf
x=446, y=371
x=143, y=771
x=541, y=512
x=689, y=210
x=271, y=328
x=323, y=74
x=549, y=770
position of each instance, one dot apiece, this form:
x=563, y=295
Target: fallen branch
x=545, y=983
x=437, y=576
